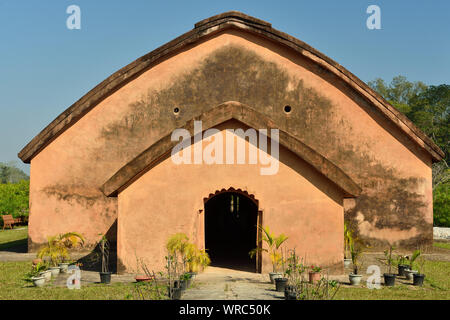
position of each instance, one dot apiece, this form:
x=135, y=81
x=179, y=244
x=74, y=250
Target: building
x=105, y=165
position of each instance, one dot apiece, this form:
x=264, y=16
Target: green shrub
x=14, y=198
x=441, y=205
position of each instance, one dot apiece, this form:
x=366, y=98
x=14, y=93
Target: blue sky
x=45, y=67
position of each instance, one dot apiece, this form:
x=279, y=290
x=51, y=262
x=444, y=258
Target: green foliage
x=429, y=108
x=14, y=198
x=9, y=173
x=274, y=243
x=348, y=239
x=441, y=203
x=57, y=248
x=413, y=259
x=35, y=271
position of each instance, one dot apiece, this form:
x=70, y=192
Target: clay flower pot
x=64, y=267
x=143, y=278
x=55, y=271
x=410, y=274
x=47, y=274
x=36, y=261
x=38, y=281
x=314, y=277
x=347, y=263
x=355, y=279
x=274, y=275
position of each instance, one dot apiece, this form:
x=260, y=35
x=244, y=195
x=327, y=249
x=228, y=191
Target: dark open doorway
x=231, y=220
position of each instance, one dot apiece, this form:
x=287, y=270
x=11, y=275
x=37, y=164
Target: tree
x=9, y=173
x=14, y=198
x=429, y=108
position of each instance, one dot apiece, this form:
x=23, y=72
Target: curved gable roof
x=204, y=28
x=224, y=112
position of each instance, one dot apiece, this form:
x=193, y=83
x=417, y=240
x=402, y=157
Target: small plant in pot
x=402, y=265
x=36, y=275
x=197, y=260
x=314, y=274
x=412, y=263
x=356, y=251
x=105, y=274
x=389, y=277
x=274, y=243
x=348, y=239
x=281, y=282
x=419, y=277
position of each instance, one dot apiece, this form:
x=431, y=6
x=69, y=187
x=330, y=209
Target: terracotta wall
x=298, y=201
x=396, y=204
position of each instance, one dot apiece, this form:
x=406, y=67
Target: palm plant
x=348, y=239
x=274, y=243
x=413, y=259
x=197, y=259
x=58, y=247
x=104, y=249
x=356, y=250
x=389, y=260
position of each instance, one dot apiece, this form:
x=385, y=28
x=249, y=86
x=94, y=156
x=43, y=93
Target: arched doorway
x=231, y=231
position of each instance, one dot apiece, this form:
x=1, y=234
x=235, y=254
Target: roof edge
x=203, y=28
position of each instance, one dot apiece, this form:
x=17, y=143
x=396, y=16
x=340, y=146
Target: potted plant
x=274, y=243
x=57, y=250
x=389, y=277
x=51, y=252
x=419, y=277
x=314, y=274
x=411, y=271
x=35, y=275
x=105, y=274
x=197, y=260
x=402, y=265
x=295, y=270
x=348, y=239
x=356, y=251
x=281, y=282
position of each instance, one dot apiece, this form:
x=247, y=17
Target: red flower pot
x=143, y=278
x=314, y=277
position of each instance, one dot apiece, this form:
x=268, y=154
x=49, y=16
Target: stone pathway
x=226, y=284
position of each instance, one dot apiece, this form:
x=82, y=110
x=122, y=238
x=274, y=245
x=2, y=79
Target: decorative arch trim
x=245, y=193
x=213, y=117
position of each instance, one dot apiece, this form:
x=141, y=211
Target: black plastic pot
x=176, y=294
x=105, y=277
x=418, y=279
x=289, y=293
x=183, y=284
x=280, y=284
x=401, y=270
x=389, y=279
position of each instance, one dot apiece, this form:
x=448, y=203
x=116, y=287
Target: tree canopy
x=429, y=108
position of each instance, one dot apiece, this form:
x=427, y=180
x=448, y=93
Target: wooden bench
x=8, y=221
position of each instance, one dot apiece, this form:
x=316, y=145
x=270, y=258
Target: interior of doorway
x=231, y=232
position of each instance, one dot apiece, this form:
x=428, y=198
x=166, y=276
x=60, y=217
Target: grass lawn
x=16, y=237
x=436, y=286
x=443, y=245
x=13, y=286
